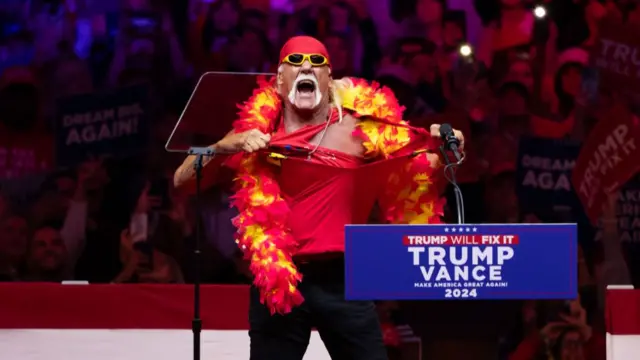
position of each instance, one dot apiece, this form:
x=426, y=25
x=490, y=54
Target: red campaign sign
x=608, y=159
x=617, y=55
x=24, y=155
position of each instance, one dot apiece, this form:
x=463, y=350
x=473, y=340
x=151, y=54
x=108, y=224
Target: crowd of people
x=81, y=217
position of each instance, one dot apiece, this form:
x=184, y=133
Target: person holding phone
x=556, y=319
x=142, y=260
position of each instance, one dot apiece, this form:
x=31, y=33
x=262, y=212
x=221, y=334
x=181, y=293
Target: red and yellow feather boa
x=262, y=222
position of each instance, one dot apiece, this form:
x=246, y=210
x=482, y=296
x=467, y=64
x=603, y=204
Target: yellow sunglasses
x=299, y=59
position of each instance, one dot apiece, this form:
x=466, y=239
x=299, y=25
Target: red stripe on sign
x=623, y=312
x=111, y=306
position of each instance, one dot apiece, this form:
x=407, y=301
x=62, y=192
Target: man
x=47, y=258
x=335, y=148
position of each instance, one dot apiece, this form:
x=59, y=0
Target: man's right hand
x=249, y=141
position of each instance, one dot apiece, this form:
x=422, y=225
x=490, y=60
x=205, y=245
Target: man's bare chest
x=339, y=137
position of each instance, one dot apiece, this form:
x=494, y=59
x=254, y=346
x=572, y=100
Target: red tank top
x=327, y=190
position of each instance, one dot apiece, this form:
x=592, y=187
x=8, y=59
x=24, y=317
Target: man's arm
x=74, y=230
x=186, y=171
x=232, y=144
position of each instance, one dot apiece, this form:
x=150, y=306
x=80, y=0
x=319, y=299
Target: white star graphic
x=461, y=229
x=453, y=229
x=475, y=229
x=446, y=229
x=467, y=230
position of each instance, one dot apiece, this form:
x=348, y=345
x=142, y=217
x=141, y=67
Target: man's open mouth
x=306, y=87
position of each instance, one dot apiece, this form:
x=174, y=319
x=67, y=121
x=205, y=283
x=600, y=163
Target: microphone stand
x=450, y=175
x=196, y=323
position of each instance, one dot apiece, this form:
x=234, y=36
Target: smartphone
x=139, y=232
x=139, y=228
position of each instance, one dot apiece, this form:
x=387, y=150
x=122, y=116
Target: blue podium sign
x=440, y=262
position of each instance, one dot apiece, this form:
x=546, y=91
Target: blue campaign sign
x=544, y=174
x=437, y=262
x=102, y=124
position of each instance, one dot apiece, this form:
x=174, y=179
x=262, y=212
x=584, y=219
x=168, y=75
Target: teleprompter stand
x=196, y=323
x=207, y=118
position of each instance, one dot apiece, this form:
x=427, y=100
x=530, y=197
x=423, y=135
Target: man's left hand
x=435, y=132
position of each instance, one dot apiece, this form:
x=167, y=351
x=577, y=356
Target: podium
x=461, y=262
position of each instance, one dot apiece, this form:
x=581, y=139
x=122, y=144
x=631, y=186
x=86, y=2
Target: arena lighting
x=466, y=50
x=539, y=11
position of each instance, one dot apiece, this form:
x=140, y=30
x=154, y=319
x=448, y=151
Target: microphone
x=451, y=143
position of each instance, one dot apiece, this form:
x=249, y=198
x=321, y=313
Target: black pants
x=349, y=329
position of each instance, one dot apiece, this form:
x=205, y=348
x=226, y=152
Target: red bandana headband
x=303, y=45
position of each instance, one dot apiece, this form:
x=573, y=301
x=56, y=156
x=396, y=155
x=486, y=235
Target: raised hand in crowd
x=564, y=334
x=145, y=266
x=132, y=259
x=128, y=258
x=164, y=271
x=594, y=12
x=178, y=62
x=84, y=173
x=576, y=318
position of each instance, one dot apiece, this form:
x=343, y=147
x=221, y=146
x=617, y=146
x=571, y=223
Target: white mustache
x=303, y=77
